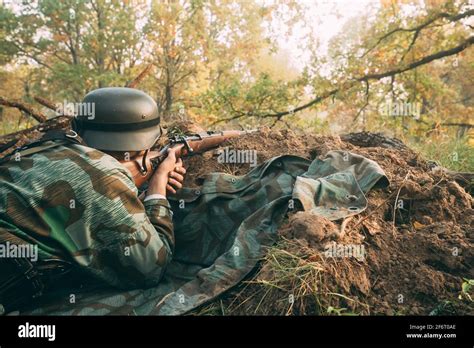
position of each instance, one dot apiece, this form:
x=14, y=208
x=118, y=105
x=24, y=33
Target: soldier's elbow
x=143, y=272
x=155, y=277
x=154, y=272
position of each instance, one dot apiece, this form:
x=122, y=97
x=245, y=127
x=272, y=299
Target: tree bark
x=37, y=115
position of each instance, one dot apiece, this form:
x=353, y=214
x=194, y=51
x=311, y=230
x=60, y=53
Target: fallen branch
x=374, y=210
x=45, y=102
x=284, y=113
x=26, y=135
x=37, y=115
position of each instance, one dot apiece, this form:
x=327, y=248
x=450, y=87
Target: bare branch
x=456, y=124
x=366, y=102
x=52, y=106
x=284, y=113
x=425, y=60
x=45, y=102
x=412, y=43
x=419, y=28
x=134, y=83
x=37, y=115
x=376, y=76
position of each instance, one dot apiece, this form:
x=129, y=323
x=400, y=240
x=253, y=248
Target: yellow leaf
x=418, y=225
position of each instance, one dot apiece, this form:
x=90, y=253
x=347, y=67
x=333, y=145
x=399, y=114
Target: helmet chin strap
x=143, y=168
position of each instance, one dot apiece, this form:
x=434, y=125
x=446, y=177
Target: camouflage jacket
x=80, y=205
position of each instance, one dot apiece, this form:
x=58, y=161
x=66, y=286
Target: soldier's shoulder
x=69, y=162
x=100, y=160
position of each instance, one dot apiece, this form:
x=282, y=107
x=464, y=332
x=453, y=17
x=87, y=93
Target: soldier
x=79, y=207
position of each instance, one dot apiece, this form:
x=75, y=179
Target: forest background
x=324, y=67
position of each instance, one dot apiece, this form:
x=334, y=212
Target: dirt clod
x=312, y=228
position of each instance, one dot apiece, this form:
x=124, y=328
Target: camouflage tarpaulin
x=223, y=227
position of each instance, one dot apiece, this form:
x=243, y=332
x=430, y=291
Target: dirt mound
x=409, y=253
x=266, y=143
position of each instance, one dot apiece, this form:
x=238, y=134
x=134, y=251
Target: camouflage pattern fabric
x=335, y=187
x=80, y=205
x=223, y=228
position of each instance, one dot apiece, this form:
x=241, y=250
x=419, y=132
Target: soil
x=417, y=235
x=416, y=258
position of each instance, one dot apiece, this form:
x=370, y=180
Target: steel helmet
x=123, y=119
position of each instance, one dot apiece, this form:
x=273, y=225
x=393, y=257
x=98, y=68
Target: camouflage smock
x=80, y=205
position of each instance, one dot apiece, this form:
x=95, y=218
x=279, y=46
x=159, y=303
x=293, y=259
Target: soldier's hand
x=176, y=177
x=169, y=176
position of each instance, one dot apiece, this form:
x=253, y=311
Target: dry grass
x=293, y=280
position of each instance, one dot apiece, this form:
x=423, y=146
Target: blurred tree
x=219, y=61
x=413, y=55
x=78, y=45
x=195, y=47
